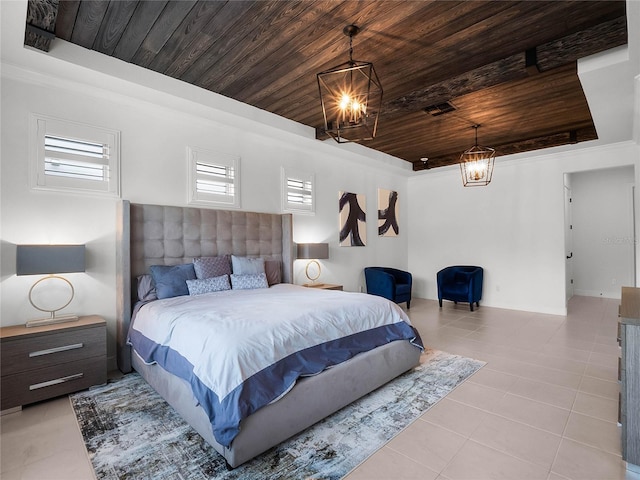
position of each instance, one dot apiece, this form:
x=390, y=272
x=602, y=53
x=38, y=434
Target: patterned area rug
x=131, y=432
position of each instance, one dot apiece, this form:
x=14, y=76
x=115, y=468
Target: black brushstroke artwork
x=350, y=227
x=389, y=215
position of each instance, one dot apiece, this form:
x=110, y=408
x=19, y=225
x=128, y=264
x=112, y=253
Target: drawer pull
x=56, y=381
x=56, y=350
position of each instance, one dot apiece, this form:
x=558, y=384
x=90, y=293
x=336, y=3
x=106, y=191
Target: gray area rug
x=131, y=433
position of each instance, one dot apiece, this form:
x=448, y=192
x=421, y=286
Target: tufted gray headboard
x=161, y=235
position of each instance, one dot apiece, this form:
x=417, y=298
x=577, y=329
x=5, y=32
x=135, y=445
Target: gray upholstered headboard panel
x=160, y=235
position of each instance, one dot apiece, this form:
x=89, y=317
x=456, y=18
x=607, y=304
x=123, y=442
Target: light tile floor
x=544, y=406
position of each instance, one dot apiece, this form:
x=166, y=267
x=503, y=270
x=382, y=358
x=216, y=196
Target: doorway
x=568, y=239
x=599, y=232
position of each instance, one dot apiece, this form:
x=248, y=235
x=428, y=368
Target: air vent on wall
x=439, y=109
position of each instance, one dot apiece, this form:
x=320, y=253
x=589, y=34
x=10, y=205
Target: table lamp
x=50, y=260
x=313, y=252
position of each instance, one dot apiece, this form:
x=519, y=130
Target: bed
x=160, y=235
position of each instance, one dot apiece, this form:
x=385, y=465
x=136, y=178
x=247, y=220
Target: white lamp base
x=38, y=322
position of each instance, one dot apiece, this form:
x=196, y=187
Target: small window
x=75, y=157
x=298, y=195
x=213, y=178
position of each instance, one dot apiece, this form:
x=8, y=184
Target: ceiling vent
x=439, y=109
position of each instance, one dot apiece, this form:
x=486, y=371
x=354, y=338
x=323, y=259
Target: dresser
x=44, y=362
x=629, y=375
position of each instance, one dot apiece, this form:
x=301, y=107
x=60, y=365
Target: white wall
x=157, y=123
x=603, y=240
x=514, y=228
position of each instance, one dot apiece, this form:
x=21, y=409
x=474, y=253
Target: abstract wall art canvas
x=388, y=213
x=353, y=226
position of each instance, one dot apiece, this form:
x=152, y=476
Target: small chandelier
x=351, y=96
x=476, y=164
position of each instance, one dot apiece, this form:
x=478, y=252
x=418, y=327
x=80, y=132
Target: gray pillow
x=207, y=267
x=246, y=265
x=273, y=270
x=171, y=280
x=249, y=282
x=207, y=285
x=146, y=288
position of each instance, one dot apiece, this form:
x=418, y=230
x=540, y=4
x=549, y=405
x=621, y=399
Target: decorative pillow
x=207, y=267
x=246, y=265
x=249, y=282
x=273, y=270
x=146, y=288
x=171, y=280
x=206, y=285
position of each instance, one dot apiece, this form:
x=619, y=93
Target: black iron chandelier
x=476, y=164
x=351, y=96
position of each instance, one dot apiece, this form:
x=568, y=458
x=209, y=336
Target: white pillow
x=249, y=282
x=246, y=265
x=206, y=285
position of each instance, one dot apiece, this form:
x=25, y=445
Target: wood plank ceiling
x=509, y=66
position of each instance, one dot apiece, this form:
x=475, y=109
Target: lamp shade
x=313, y=250
x=49, y=259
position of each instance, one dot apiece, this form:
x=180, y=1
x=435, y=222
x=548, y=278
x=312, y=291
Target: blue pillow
x=171, y=280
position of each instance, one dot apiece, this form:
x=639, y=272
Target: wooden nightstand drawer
x=29, y=353
x=22, y=388
x=50, y=360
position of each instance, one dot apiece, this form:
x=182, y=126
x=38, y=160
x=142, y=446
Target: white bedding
x=230, y=336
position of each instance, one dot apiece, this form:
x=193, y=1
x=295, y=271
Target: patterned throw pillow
x=207, y=267
x=249, y=282
x=171, y=281
x=206, y=285
x=246, y=265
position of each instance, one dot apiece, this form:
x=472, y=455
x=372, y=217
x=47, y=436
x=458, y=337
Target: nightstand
x=44, y=362
x=323, y=286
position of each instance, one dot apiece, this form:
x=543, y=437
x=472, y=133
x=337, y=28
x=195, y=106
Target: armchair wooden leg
x=471, y=306
x=440, y=302
x=408, y=304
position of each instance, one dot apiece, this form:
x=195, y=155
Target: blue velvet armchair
x=389, y=283
x=460, y=283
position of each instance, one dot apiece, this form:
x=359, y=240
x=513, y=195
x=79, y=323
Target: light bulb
x=345, y=101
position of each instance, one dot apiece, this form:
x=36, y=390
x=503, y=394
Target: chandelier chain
x=350, y=48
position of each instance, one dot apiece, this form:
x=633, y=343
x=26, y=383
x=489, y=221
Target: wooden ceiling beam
x=545, y=141
x=41, y=23
x=548, y=56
